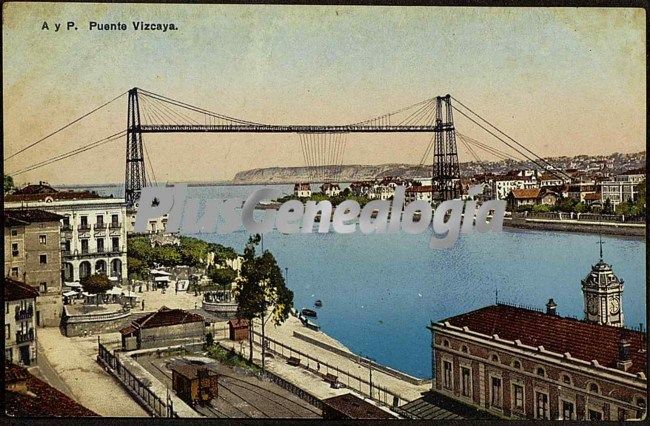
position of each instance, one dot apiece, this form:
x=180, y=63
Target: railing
x=315, y=365
x=66, y=252
x=99, y=227
x=147, y=398
x=24, y=314
x=114, y=225
x=25, y=337
x=588, y=217
x=66, y=228
x=84, y=227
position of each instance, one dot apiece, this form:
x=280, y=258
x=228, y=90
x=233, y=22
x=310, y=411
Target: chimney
x=624, y=362
x=551, y=307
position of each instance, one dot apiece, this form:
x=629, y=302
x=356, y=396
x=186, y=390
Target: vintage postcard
x=324, y=212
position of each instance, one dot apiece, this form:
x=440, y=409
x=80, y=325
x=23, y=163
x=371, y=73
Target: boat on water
x=309, y=313
x=318, y=303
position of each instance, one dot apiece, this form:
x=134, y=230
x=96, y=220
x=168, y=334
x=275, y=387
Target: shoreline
x=617, y=230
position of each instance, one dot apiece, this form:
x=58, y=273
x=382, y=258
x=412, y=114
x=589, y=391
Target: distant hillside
x=614, y=163
x=346, y=173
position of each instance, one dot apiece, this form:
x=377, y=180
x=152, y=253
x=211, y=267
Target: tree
x=607, y=206
x=223, y=277
x=137, y=268
x=166, y=255
x=262, y=287
x=8, y=184
x=581, y=208
x=97, y=284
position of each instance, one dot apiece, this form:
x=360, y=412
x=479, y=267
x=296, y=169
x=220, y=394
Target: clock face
x=614, y=306
x=592, y=305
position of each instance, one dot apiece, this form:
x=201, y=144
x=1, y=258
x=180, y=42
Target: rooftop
x=526, y=193
x=17, y=290
x=584, y=341
x=356, y=408
x=44, y=192
x=38, y=399
x=165, y=316
x=22, y=217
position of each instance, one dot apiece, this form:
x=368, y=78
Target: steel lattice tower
x=135, y=172
x=445, y=170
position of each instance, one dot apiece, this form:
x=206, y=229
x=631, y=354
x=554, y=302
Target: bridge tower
x=135, y=172
x=445, y=170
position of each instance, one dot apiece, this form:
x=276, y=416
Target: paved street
x=79, y=375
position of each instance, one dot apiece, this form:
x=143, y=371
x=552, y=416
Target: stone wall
x=168, y=335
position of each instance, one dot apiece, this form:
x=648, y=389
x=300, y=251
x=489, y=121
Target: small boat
x=309, y=313
x=318, y=303
x=311, y=325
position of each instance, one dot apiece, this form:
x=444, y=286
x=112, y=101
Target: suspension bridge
x=321, y=145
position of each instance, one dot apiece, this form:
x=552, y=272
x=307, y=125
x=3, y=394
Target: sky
x=561, y=81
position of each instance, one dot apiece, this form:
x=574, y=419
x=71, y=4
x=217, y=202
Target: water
x=379, y=292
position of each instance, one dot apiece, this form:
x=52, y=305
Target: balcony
x=25, y=337
x=65, y=252
x=66, y=228
x=114, y=225
x=84, y=227
x=23, y=314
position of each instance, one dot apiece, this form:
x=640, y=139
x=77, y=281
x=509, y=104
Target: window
x=566, y=379
x=115, y=243
x=540, y=372
x=100, y=245
x=42, y=259
x=115, y=220
x=67, y=246
x=9, y=354
x=14, y=249
x=66, y=222
x=541, y=402
x=42, y=239
x=14, y=232
x=568, y=410
x=446, y=368
x=640, y=402
x=7, y=331
x=14, y=272
x=42, y=287
x=593, y=388
x=445, y=343
x=100, y=220
x=466, y=381
x=494, y=358
x=84, y=222
x=495, y=392
x=464, y=349
x=518, y=397
x=516, y=364
x=84, y=246
x=595, y=415
x=622, y=415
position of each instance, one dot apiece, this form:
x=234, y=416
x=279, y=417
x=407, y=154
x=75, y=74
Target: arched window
x=68, y=272
x=100, y=267
x=445, y=343
x=494, y=358
x=593, y=388
x=516, y=364
x=116, y=268
x=84, y=269
x=566, y=379
x=464, y=349
x=540, y=371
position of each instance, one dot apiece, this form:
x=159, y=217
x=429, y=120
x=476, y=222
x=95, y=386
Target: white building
x=93, y=231
x=330, y=189
x=302, y=190
x=20, y=329
x=502, y=185
x=416, y=193
x=622, y=188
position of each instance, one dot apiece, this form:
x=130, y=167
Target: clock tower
x=603, y=293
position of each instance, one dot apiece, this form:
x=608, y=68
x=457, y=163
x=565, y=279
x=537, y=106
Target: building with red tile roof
x=162, y=328
x=515, y=362
x=28, y=396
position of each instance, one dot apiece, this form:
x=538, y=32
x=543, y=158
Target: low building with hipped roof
x=165, y=327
